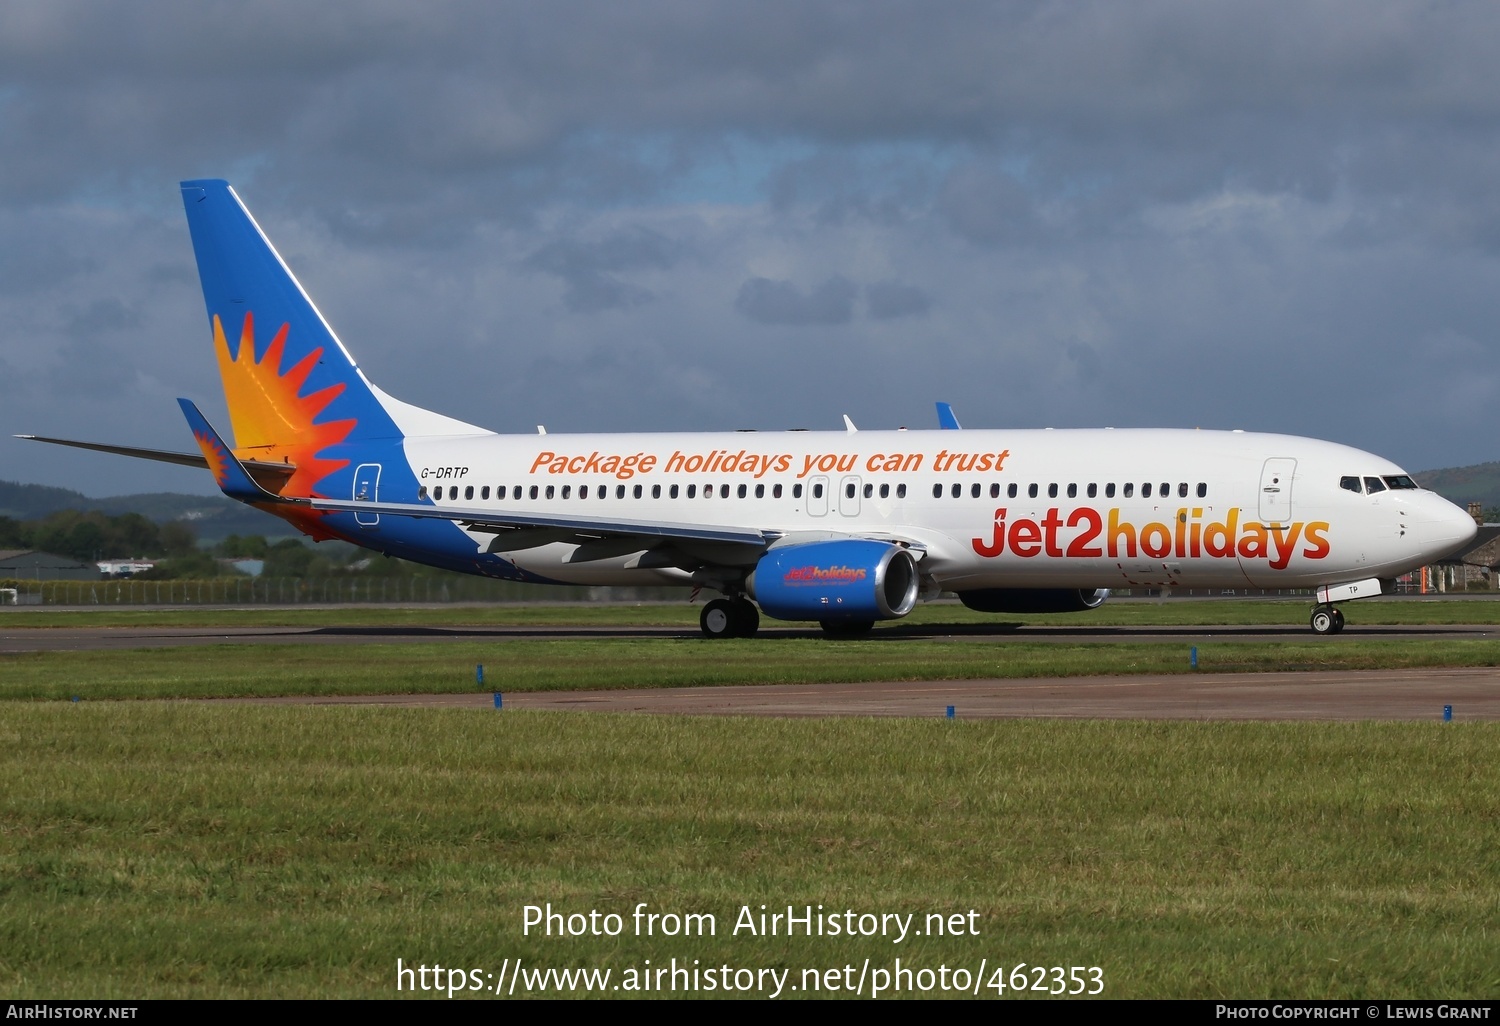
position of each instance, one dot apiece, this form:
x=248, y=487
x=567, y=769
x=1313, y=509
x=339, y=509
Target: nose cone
x=1441, y=528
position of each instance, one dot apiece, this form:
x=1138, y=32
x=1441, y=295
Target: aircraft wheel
x=1323, y=620
x=1338, y=621
x=718, y=619
x=746, y=618
x=846, y=628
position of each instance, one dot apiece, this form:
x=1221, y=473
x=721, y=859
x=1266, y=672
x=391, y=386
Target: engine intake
x=1033, y=600
x=845, y=579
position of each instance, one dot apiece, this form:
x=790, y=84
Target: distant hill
x=1463, y=485
x=212, y=516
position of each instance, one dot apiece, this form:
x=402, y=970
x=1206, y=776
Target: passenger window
x=869, y=490
x=550, y=491
x=760, y=491
x=1072, y=491
x=1182, y=490
x=776, y=491
x=533, y=491
x=724, y=492
x=849, y=490
x=796, y=491
x=517, y=494
x=1109, y=490
x=995, y=490
x=656, y=491
x=1129, y=489
x=1052, y=491
x=1202, y=490
x=672, y=492
x=1374, y=484
x=1166, y=489
x=740, y=491
x=885, y=491
x=1093, y=490
x=1011, y=491
x=1146, y=490
x=974, y=491
x=708, y=491
x=1031, y=490
x=566, y=490
x=957, y=490
x=484, y=493
x=901, y=491
x=619, y=491
x=817, y=491
x=692, y=491
x=422, y=492
x=636, y=492
x=1350, y=483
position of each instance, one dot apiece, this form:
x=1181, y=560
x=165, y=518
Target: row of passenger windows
x=1371, y=485
x=691, y=491
x=1127, y=490
x=956, y=490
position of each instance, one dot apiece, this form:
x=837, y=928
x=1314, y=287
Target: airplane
x=844, y=528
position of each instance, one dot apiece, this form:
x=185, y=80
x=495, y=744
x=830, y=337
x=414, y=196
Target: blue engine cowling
x=1033, y=600
x=842, y=580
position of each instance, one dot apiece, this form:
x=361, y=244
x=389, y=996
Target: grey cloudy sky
x=696, y=215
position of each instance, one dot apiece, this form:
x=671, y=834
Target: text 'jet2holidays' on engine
x=844, y=528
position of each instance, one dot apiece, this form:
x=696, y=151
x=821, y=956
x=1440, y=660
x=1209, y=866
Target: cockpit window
x=1400, y=481
x=1374, y=484
x=1350, y=484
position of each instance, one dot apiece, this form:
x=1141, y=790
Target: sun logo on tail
x=218, y=459
x=272, y=420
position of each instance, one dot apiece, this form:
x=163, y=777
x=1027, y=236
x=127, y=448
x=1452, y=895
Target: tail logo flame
x=272, y=420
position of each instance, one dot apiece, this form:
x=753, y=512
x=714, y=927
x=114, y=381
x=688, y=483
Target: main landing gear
x=729, y=618
x=1326, y=620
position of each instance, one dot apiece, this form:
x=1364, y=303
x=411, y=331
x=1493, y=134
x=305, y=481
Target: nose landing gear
x=1326, y=620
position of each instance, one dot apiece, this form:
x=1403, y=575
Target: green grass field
x=232, y=670
x=1120, y=612
x=167, y=850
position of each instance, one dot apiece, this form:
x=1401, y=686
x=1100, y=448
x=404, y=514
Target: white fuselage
x=989, y=509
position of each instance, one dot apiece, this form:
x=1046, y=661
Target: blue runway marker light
x=1193, y=657
x=75, y=698
x=497, y=699
x=1447, y=714
x=479, y=674
x=950, y=712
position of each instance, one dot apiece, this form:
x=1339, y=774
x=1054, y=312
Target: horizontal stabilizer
x=257, y=468
x=232, y=475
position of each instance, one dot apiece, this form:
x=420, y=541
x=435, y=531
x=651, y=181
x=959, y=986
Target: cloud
x=888, y=300
x=767, y=301
x=589, y=268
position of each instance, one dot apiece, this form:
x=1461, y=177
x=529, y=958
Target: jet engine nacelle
x=844, y=579
x=1033, y=600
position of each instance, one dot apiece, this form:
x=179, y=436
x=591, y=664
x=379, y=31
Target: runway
x=84, y=639
x=1413, y=694
x=1473, y=693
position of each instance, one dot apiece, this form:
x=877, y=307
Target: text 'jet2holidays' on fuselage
x=844, y=528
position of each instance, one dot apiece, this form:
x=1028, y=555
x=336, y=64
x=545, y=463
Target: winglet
x=947, y=420
x=228, y=471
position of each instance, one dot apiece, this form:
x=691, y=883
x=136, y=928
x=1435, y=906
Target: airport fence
x=220, y=591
